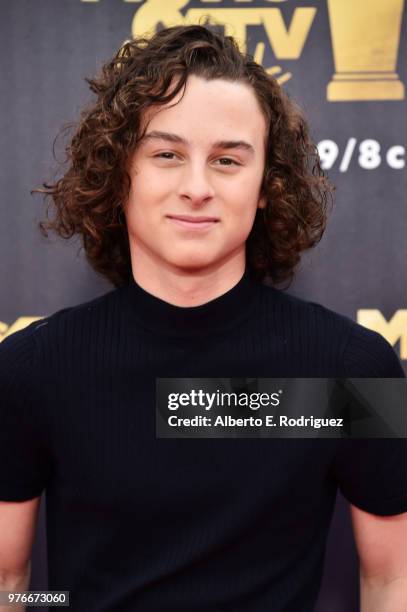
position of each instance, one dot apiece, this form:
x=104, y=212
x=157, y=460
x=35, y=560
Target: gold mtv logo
x=287, y=41
x=394, y=330
x=365, y=37
x=365, y=40
x=20, y=323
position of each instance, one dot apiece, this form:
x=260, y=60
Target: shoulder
x=360, y=352
x=22, y=348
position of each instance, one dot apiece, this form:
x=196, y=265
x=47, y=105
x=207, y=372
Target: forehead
x=212, y=109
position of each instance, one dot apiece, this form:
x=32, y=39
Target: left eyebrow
x=220, y=144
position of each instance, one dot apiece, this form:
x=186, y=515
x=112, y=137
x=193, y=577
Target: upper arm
x=381, y=543
x=26, y=459
x=17, y=530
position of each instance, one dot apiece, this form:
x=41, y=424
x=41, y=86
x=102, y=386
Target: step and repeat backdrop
x=343, y=61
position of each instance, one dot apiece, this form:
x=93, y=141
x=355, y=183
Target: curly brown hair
x=87, y=200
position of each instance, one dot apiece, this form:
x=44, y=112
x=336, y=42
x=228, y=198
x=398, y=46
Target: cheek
x=244, y=191
x=242, y=215
x=243, y=207
x=239, y=225
x=146, y=182
x=145, y=198
x=142, y=190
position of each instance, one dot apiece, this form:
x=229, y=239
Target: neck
x=178, y=286
x=224, y=311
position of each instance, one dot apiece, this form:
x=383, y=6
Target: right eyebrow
x=220, y=144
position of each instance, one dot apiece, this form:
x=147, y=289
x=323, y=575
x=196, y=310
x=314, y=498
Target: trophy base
x=353, y=89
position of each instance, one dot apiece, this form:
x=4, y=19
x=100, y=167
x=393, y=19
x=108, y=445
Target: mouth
x=194, y=223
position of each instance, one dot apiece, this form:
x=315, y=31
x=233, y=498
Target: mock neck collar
x=218, y=315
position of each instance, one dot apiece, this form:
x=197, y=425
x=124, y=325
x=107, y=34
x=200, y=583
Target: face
x=201, y=158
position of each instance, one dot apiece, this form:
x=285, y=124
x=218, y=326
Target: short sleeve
x=369, y=355
x=372, y=473
x=24, y=458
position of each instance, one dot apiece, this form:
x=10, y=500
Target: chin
x=191, y=265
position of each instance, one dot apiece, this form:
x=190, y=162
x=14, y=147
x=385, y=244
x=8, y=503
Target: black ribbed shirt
x=140, y=523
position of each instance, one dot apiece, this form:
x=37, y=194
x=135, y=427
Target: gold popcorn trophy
x=365, y=40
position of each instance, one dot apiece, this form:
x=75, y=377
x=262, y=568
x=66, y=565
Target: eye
x=169, y=155
x=160, y=155
x=228, y=159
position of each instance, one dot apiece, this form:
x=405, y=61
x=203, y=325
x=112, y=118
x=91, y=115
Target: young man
x=190, y=181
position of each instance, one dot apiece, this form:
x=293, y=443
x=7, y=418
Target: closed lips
x=193, y=219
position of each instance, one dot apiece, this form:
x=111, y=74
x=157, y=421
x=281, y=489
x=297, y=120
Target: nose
x=194, y=183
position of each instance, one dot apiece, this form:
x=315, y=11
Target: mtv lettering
x=394, y=330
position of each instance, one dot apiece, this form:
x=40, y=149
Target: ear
x=262, y=202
